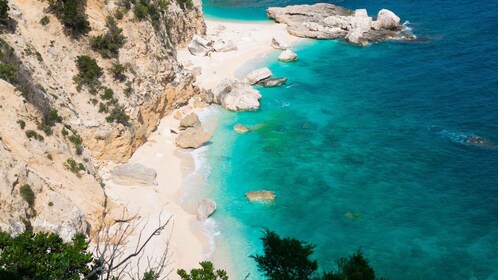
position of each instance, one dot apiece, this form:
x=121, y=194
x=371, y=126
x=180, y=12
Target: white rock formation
x=386, y=20
x=236, y=96
x=258, y=75
x=192, y=138
x=287, y=56
x=191, y=120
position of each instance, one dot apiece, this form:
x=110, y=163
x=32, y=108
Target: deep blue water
x=365, y=147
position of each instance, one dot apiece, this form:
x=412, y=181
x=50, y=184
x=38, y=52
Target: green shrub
x=43, y=126
x=188, y=4
x=72, y=15
x=141, y=11
x=118, y=72
x=27, y=194
x=108, y=45
x=206, y=272
x=32, y=134
x=64, y=132
x=118, y=115
x=119, y=14
x=129, y=88
x=21, y=123
x=53, y=117
x=89, y=73
x=4, y=11
x=45, y=20
x=108, y=94
x=73, y=166
x=7, y=72
x=103, y=108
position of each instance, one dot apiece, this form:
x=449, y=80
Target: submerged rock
x=134, y=174
x=261, y=196
x=258, y=75
x=192, y=138
x=236, y=96
x=205, y=208
x=273, y=82
x=241, y=129
x=191, y=120
x=479, y=141
x=287, y=56
x=327, y=21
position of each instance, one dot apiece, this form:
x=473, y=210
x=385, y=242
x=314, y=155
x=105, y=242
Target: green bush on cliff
x=186, y=4
x=27, y=194
x=71, y=14
x=4, y=11
x=108, y=45
x=89, y=73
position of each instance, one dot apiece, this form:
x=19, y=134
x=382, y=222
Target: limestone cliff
x=61, y=167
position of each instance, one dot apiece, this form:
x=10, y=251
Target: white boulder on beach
x=287, y=56
x=235, y=95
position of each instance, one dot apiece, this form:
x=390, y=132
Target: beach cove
x=364, y=147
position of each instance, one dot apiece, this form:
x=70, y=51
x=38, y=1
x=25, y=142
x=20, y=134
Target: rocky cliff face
x=61, y=168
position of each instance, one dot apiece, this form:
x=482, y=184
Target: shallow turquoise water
x=365, y=148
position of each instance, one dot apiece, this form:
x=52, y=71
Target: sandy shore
x=188, y=243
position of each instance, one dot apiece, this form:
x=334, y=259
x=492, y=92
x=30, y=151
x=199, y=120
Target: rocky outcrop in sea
x=327, y=21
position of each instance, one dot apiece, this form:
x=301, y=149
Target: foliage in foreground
x=43, y=256
x=206, y=272
x=289, y=259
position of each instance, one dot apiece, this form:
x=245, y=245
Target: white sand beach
x=188, y=245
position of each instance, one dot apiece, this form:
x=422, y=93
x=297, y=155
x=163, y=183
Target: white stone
x=257, y=75
x=287, y=56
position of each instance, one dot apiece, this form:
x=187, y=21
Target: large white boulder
x=236, y=96
x=287, y=56
x=258, y=75
x=386, y=20
x=192, y=138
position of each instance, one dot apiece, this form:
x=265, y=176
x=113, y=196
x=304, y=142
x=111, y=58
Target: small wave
x=285, y=105
x=211, y=229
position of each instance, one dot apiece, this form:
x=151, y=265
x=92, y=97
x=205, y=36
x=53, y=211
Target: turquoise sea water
x=365, y=147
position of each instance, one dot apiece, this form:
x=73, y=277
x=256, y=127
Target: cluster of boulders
x=327, y=21
x=192, y=135
x=204, y=45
